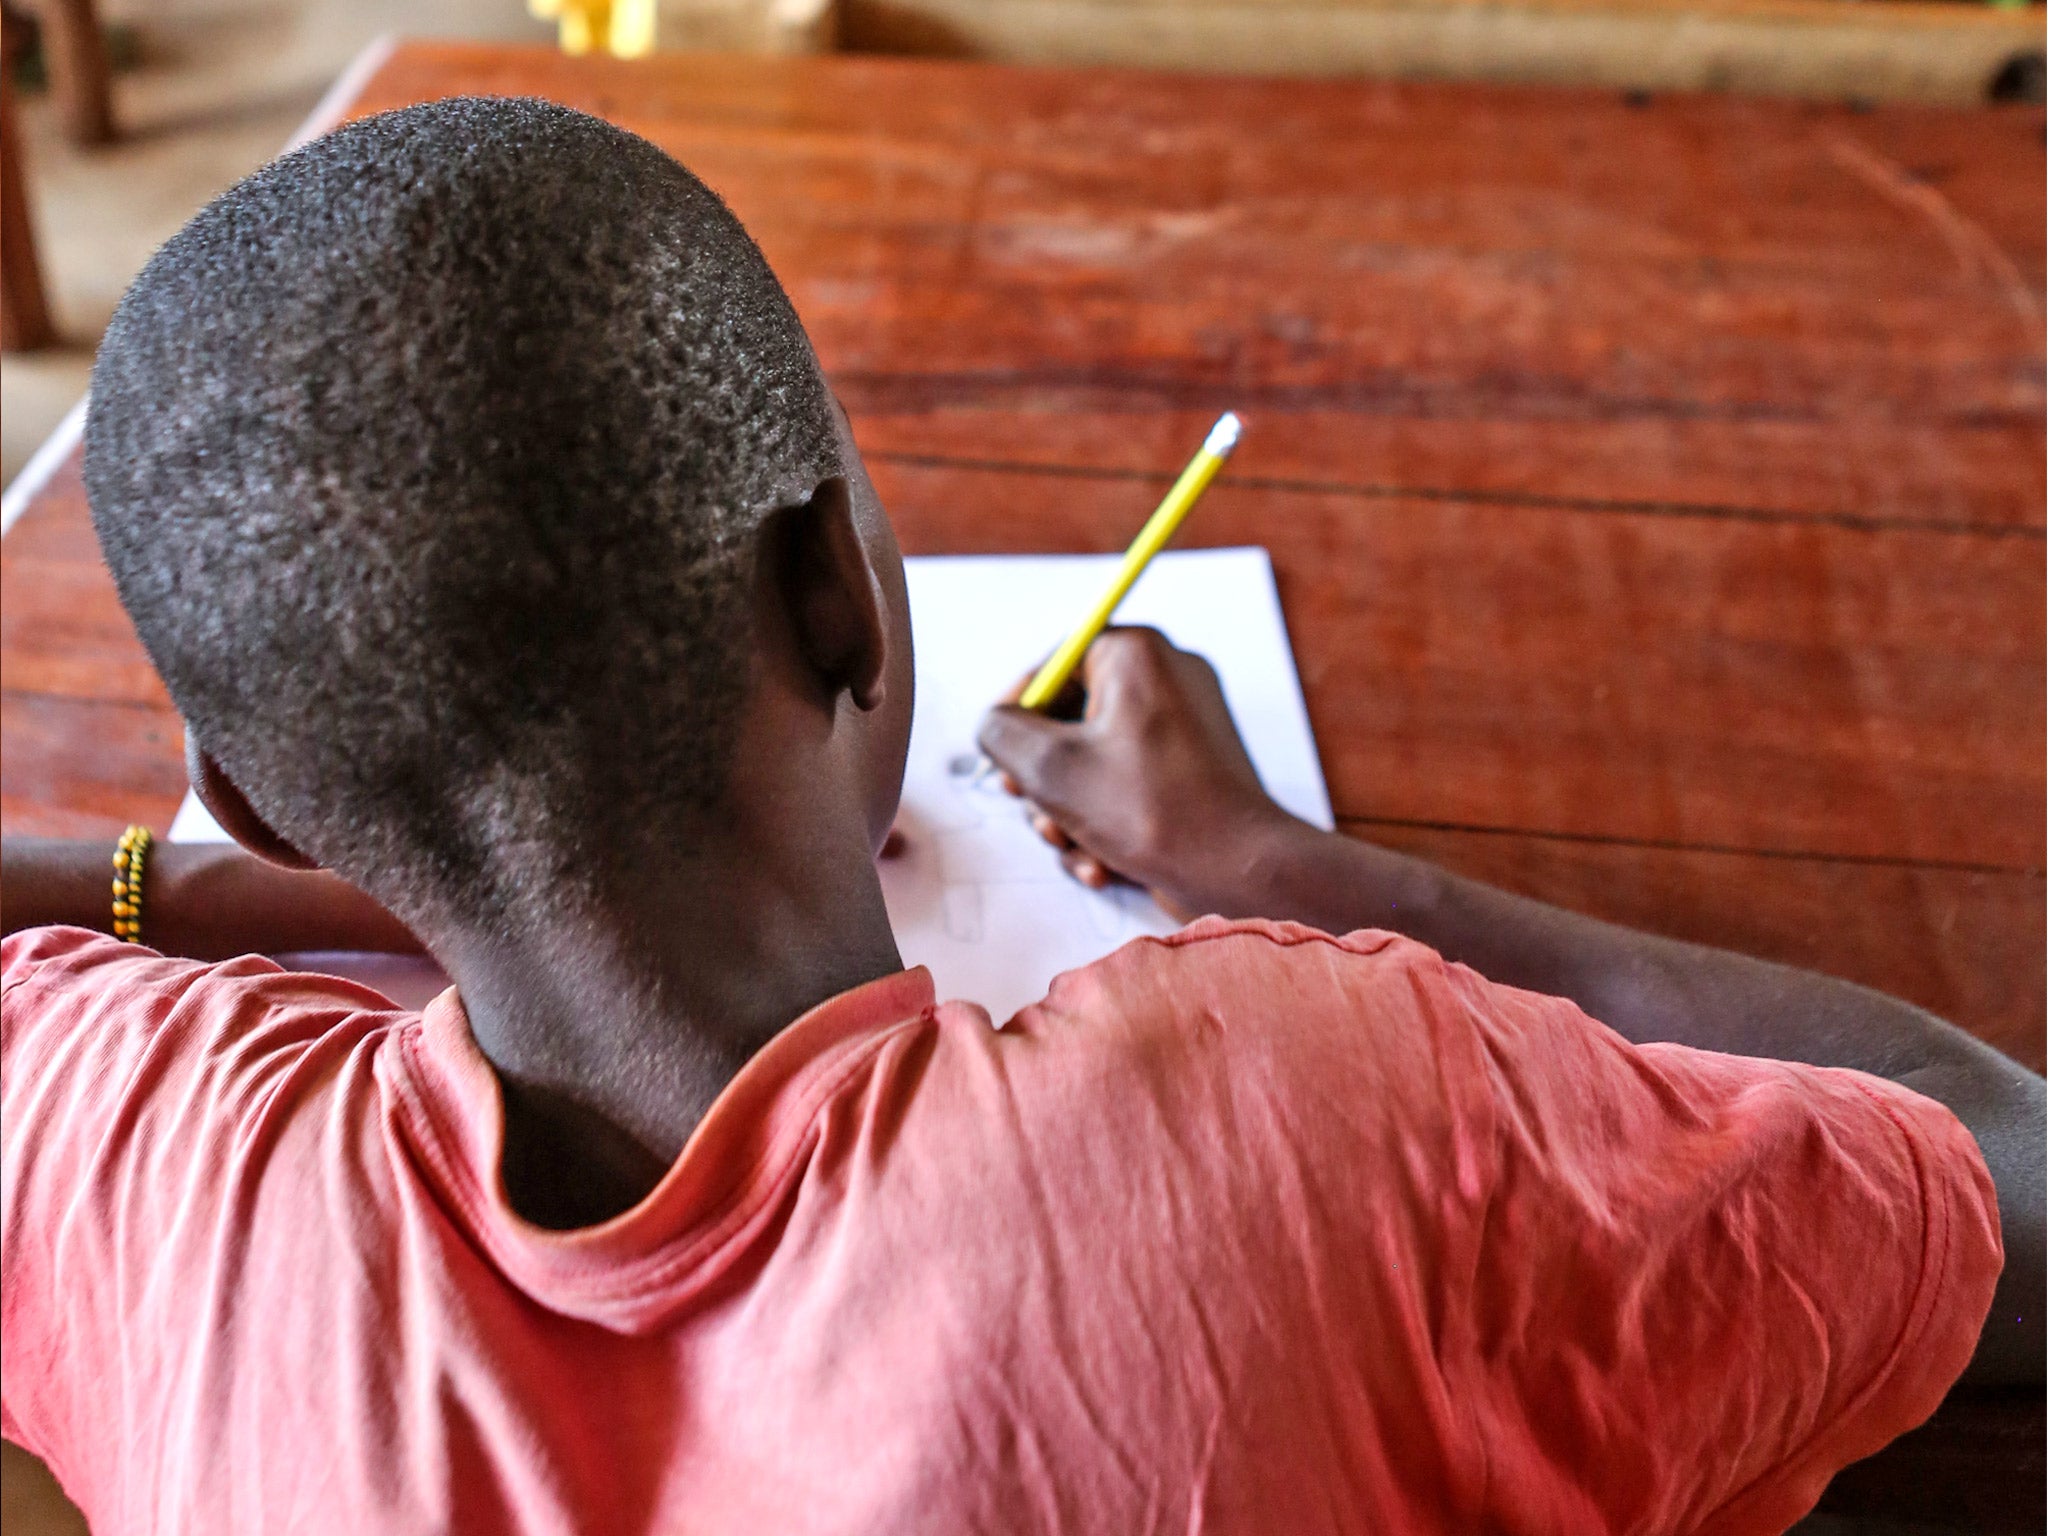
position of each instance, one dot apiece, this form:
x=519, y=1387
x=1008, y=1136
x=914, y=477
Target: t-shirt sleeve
x=133, y=1094
x=1733, y=1276
x=89, y=1057
x=1564, y=1282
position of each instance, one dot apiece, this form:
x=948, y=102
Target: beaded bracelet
x=131, y=855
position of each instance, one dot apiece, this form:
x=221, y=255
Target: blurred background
x=204, y=91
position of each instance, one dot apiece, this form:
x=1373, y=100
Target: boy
x=477, y=494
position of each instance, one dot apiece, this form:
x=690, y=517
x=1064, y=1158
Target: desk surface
x=1655, y=487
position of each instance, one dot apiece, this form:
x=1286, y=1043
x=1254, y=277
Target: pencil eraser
x=1223, y=436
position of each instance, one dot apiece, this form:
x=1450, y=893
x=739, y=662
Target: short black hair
x=430, y=462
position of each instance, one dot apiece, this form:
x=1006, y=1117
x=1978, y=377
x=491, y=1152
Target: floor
x=218, y=89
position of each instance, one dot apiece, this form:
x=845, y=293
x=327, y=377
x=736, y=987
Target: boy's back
x=1247, y=1229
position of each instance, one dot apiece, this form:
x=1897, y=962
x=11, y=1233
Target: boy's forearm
x=44, y=882
x=201, y=901
x=1649, y=988
x=1644, y=986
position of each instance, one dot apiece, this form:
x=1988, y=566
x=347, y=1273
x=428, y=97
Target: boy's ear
x=231, y=808
x=829, y=589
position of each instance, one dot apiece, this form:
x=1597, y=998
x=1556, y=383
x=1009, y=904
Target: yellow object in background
x=623, y=28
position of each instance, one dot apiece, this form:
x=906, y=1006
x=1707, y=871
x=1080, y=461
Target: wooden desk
x=1655, y=486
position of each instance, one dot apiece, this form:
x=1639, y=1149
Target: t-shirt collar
x=644, y=1264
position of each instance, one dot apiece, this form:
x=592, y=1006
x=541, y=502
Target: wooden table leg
x=25, y=315
x=75, y=51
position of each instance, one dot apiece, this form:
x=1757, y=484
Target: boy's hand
x=1138, y=773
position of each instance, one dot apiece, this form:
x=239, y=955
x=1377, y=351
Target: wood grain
x=1739, y=180
x=1697, y=301
x=96, y=766
x=62, y=629
x=1983, y=476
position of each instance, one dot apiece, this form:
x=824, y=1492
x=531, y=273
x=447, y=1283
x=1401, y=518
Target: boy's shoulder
x=1224, y=949
x=83, y=1010
x=1326, y=1033
x=70, y=972
x=1280, y=980
x=25, y=953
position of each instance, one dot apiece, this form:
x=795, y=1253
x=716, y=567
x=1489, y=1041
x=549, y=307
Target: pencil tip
x=1224, y=435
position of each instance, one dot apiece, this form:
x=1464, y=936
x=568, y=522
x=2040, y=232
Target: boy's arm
x=201, y=901
x=1152, y=783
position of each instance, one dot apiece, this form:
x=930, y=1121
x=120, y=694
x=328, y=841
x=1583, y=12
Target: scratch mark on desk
x=1975, y=251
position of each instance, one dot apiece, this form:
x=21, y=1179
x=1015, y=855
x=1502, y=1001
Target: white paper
x=977, y=896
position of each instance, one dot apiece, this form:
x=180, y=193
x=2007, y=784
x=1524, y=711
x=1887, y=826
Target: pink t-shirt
x=1250, y=1229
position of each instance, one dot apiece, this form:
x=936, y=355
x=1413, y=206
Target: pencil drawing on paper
x=982, y=839
x=976, y=894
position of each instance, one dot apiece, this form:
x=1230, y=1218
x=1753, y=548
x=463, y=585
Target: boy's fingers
x=1086, y=868
x=1067, y=706
x=1015, y=691
x=1050, y=830
x=1123, y=641
x=1025, y=745
x=1118, y=655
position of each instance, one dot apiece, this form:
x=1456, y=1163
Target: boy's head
x=445, y=466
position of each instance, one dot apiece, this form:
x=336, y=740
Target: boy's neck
x=614, y=1027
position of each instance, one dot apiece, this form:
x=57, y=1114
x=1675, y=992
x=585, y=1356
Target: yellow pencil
x=1187, y=490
